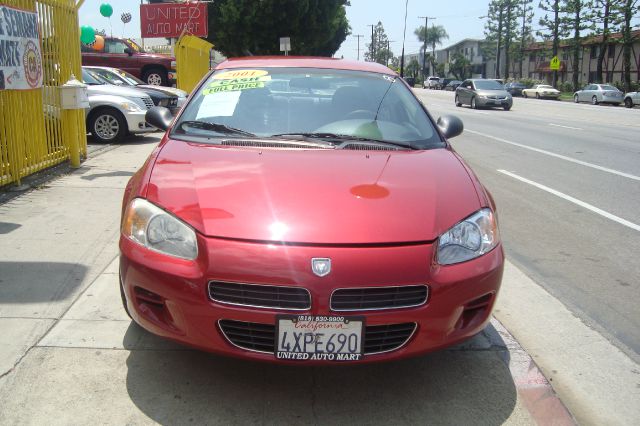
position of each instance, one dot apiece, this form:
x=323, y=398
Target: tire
x=123, y=297
x=628, y=103
x=107, y=125
x=575, y=99
x=506, y=107
x=594, y=100
x=458, y=101
x=524, y=95
x=156, y=76
x=473, y=103
x=537, y=95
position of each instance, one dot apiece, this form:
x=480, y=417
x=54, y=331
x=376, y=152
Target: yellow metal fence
x=192, y=61
x=35, y=133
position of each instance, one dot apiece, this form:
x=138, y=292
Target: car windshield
x=544, y=86
x=308, y=103
x=92, y=78
x=115, y=75
x=488, y=85
x=135, y=46
x=607, y=87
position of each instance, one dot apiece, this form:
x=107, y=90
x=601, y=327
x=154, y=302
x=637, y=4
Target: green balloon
x=87, y=34
x=106, y=10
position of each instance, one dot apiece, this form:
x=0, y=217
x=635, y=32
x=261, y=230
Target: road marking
x=562, y=157
x=574, y=200
x=565, y=127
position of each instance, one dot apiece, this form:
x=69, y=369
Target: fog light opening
x=474, y=311
x=153, y=307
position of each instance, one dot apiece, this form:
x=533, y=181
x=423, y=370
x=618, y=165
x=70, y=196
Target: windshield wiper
x=215, y=127
x=339, y=138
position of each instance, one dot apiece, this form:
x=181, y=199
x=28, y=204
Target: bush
x=635, y=85
x=566, y=86
x=530, y=82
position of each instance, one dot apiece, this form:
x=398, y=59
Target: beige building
x=538, y=55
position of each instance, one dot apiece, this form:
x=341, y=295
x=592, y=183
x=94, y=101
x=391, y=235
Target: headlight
x=155, y=229
x=163, y=102
x=473, y=237
x=131, y=106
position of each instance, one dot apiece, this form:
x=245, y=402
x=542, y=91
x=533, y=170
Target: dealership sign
x=20, y=52
x=172, y=19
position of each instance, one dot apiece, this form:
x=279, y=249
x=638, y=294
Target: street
x=566, y=178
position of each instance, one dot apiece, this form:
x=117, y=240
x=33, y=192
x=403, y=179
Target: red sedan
x=308, y=210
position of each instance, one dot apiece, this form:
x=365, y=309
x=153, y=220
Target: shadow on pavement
x=31, y=282
x=465, y=385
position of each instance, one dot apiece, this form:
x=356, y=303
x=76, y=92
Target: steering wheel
x=360, y=113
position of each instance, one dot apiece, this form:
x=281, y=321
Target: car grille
x=260, y=337
x=147, y=102
x=260, y=296
x=500, y=98
x=371, y=298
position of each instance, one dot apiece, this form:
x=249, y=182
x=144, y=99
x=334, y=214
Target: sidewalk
x=70, y=355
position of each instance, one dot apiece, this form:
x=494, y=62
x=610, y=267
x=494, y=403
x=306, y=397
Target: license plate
x=328, y=338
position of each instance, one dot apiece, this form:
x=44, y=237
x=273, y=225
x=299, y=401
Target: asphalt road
x=566, y=178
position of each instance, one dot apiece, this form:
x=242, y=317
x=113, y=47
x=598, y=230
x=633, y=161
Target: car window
x=111, y=77
x=488, y=85
x=608, y=87
x=272, y=101
x=114, y=46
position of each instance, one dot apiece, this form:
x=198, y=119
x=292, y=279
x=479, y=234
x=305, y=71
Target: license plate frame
x=314, y=340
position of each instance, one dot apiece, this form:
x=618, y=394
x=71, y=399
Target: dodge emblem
x=321, y=266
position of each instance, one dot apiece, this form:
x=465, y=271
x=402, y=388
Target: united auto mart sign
x=171, y=19
x=20, y=52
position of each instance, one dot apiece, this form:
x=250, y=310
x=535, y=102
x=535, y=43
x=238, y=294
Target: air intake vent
x=375, y=298
x=147, y=102
x=370, y=147
x=260, y=337
x=260, y=296
x=274, y=144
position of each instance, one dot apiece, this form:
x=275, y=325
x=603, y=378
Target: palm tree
x=435, y=36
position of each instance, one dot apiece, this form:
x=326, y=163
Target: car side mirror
x=450, y=126
x=128, y=51
x=159, y=117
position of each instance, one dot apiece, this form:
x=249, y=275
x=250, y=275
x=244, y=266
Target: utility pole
x=389, y=49
x=359, y=36
x=372, y=47
x=404, y=36
x=424, y=48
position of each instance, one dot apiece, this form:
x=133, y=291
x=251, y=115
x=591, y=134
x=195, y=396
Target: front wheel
x=155, y=77
x=594, y=100
x=506, y=107
x=473, y=103
x=524, y=95
x=628, y=103
x=107, y=125
x=575, y=98
x=458, y=101
x=537, y=95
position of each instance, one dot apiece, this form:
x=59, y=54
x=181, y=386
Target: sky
x=460, y=18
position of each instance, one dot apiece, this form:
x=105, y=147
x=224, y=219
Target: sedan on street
x=322, y=219
x=515, y=88
x=631, y=99
x=540, y=91
x=599, y=93
x=480, y=92
x=452, y=85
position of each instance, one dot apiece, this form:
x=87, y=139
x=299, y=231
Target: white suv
x=433, y=83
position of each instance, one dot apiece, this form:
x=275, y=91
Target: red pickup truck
x=125, y=54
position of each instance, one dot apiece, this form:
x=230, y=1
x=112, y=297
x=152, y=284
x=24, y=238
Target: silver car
x=631, y=99
x=479, y=92
x=599, y=93
x=114, y=111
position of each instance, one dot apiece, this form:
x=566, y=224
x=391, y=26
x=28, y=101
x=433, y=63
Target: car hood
x=313, y=196
x=168, y=90
x=112, y=89
x=492, y=93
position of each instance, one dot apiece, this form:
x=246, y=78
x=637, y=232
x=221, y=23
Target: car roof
x=304, y=62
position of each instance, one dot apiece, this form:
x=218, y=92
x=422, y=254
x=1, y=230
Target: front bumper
x=136, y=122
x=488, y=102
x=169, y=296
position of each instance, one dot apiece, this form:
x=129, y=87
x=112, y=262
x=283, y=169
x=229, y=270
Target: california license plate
x=329, y=338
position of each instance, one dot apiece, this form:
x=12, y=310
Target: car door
x=465, y=93
x=116, y=54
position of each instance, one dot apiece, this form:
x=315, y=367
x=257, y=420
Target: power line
x=372, y=47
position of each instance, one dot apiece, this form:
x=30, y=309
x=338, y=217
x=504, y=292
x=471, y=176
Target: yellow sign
x=232, y=85
x=232, y=75
x=554, y=65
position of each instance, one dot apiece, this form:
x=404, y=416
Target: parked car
x=433, y=83
x=223, y=250
x=169, y=97
x=483, y=93
x=410, y=81
x=631, y=99
x=541, y=91
x=114, y=111
x=599, y=93
x=124, y=54
x=452, y=85
x=515, y=88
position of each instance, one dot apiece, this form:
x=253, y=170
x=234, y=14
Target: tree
x=604, y=15
x=525, y=12
x=247, y=27
x=459, y=66
x=413, y=68
x=380, y=50
x=500, y=31
x=576, y=20
x=552, y=28
x=435, y=36
x=627, y=9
